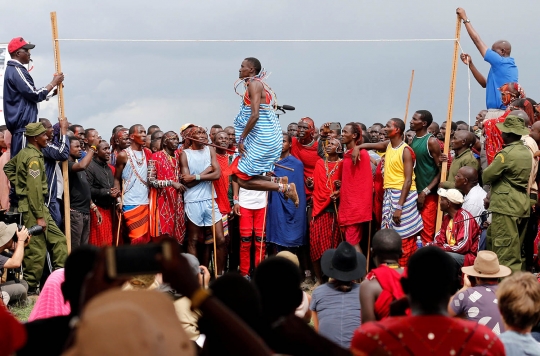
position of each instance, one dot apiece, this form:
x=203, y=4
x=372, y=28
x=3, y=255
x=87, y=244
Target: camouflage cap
x=35, y=129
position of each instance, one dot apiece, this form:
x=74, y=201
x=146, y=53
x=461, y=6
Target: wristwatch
x=467, y=21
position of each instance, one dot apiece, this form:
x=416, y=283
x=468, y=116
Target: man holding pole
x=26, y=172
x=20, y=94
x=503, y=68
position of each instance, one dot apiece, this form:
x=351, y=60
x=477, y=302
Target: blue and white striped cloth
x=263, y=143
x=411, y=221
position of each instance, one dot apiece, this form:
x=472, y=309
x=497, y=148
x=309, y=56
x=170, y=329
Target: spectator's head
x=19, y=49
x=386, y=246
x=78, y=264
x=431, y=280
x=351, y=134
x=200, y=271
x=232, y=138
x=286, y=143
x=409, y=136
x=152, y=129
x=47, y=124
x=519, y=301
x=3, y=129
x=103, y=151
x=512, y=129
x=421, y=120
x=453, y=128
x=150, y=317
x=221, y=139
x=78, y=131
x=394, y=128
x=344, y=265
x=466, y=178
x=374, y=133
x=535, y=131
x=75, y=149
x=213, y=130
x=137, y=134
x=486, y=268
x=36, y=134
x=480, y=118
x=306, y=129
x=156, y=135
x=510, y=92
x=461, y=140
x=451, y=200
x=278, y=281
x=121, y=138
x=90, y=135
x=155, y=146
x=7, y=232
x=292, y=129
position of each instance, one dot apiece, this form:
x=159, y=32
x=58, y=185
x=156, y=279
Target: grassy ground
x=22, y=310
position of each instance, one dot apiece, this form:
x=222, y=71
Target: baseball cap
x=18, y=43
x=453, y=195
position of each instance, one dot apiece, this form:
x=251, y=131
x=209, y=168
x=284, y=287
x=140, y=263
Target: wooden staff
x=214, y=232
x=369, y=245
x=263, y=228
x=233, y=151
x=61, y=116
x=120, y=213
x=408, y=98
x=444, y=167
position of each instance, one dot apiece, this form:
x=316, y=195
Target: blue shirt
x=503, y=70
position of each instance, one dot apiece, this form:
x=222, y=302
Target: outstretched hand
x=241, y=149
x=356, y=154
x=465, y=58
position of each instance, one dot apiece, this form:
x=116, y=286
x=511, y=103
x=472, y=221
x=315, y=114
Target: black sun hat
x=344, y=263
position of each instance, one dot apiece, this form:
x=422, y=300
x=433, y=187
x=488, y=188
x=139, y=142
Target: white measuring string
x=468, y=82
x=256, y=40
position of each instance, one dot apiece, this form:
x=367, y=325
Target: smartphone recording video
x=132, y=260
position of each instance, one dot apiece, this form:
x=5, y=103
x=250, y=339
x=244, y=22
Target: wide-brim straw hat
x=486, y=265
x=343, y=263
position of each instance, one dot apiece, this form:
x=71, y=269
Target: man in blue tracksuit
x=20, y=94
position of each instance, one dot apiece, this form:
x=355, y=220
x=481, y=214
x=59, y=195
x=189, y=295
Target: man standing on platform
x=508, y=176
x=20, y=94
x=427, y=151
x=167, y=205
x=131, y=175
x=26, y=172
x=503, y=68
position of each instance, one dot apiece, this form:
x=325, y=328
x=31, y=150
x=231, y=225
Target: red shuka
x=356, y=197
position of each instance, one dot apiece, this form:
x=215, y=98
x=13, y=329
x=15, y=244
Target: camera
x=32, y=231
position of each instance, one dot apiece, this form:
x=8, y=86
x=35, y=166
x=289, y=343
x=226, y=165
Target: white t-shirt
x=251, y=199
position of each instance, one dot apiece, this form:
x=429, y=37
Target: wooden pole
x=408, y=98
x=444, y=167
x=61, y=116
x=214, y=232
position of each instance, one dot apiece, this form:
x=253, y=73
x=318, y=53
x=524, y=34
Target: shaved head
x=522, y=114
x=387, y=243
x=464, y=135
x=502, y=47
x=470, y=173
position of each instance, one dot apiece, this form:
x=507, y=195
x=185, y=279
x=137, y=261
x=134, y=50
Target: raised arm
x=475, y=37
x=465, y=58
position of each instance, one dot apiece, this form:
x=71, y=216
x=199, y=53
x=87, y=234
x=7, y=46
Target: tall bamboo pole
x=444, y=167
x=408, y=98
x=61, y=116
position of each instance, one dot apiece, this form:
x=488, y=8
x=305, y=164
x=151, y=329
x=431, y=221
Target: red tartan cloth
x=389, y=279
x=308, y=156
x=494, y=141
x=221, y=185
x=409, y=247
x=324, y=185
x=101, y=235
x=323, y=234
x=169, y=205
x=356, y=197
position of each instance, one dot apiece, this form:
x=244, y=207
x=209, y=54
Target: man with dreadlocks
x=356, y=198
x=400, y=211
x=258, y=134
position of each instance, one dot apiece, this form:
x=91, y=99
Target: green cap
x=35, y=129
x=513, y=124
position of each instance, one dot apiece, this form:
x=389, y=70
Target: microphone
x=288, y=107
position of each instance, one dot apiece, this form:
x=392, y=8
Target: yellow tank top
x=394, y=171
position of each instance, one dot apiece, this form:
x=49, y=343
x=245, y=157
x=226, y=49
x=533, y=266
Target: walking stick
x=61, y=116
x=444, y=167
x=120, y=213
x=263, y=228
x=214, y=232
x=408, y=98
x=368, y=246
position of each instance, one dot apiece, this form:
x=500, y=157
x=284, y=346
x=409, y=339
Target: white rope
x=468, y=82
x=276, y=40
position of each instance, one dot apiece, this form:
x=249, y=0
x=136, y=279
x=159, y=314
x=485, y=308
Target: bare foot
x=292, y=194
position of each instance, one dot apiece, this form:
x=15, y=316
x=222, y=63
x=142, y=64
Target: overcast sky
x=169, y=84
